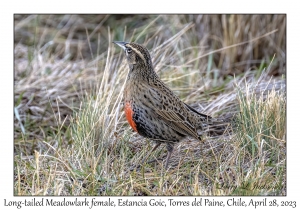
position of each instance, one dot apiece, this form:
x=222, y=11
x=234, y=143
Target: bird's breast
x=129, y=115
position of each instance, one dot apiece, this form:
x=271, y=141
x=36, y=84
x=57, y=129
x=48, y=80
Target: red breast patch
x=129, y=115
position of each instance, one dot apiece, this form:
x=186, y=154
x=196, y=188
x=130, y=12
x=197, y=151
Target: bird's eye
x=128, y=50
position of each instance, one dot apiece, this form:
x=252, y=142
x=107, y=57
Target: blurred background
x=68, y=34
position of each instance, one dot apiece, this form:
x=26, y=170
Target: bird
x=153, y=110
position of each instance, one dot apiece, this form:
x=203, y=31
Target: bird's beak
x=121, y=44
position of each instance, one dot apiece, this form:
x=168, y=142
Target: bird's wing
x=175, y=119
x=175, y=122
x=204, y=116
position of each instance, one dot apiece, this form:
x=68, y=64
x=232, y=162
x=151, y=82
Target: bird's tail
x=214, y=126
x=218, y=126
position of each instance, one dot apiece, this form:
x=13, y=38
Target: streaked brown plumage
x=153, y=110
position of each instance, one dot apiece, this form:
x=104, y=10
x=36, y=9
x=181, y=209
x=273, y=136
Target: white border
x=153, y=6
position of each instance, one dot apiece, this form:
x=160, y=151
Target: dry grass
x=71, y=137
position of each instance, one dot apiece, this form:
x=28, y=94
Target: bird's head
x=137, y=55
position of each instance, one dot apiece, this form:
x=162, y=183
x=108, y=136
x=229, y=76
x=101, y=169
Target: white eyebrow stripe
x=138, y=52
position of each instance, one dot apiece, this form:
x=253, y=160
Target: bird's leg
x=170, y=150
